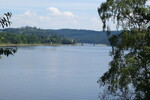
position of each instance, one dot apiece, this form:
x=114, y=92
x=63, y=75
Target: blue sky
x=54, y=14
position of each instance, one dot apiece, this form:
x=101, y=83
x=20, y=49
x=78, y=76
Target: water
x=53, y=73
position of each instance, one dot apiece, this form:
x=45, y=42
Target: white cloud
x=56, y=11
x=67, y=13
x=55, y=19
x=29, y=13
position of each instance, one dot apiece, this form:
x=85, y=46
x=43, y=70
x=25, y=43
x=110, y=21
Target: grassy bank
x=77, y=44
x=10, y=45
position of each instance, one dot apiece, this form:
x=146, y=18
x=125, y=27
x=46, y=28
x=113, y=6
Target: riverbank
x=15, y=45
x=78, y=44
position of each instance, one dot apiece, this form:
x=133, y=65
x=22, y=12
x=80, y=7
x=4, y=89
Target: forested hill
x=85, y=36
x=81, y=36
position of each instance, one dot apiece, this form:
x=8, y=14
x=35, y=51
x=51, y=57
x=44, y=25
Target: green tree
x=128, y=77
x=5, y=22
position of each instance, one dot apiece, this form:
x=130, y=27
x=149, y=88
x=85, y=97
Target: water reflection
x=7, y=51
x=53, y=73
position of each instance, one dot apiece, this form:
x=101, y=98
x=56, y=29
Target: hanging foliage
x=128, y=77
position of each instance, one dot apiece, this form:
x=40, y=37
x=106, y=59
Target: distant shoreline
x=15, y=45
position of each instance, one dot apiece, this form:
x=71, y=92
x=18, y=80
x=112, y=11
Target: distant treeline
x=13, y=38
x=81, y=36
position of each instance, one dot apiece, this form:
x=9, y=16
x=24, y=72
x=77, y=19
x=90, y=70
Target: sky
x=54, y=14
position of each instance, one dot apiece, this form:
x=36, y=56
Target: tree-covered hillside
x=9, y=38
x=81, y=36
x=84, y=36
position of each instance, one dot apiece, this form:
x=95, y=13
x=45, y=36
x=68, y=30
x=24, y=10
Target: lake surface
x=53, y=73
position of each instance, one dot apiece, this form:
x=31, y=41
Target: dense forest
x=81, y=36
x=10, y=38
x=85, y=36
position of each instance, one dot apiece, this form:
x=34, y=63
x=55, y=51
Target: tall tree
x=5, y=22
x=129, y=74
